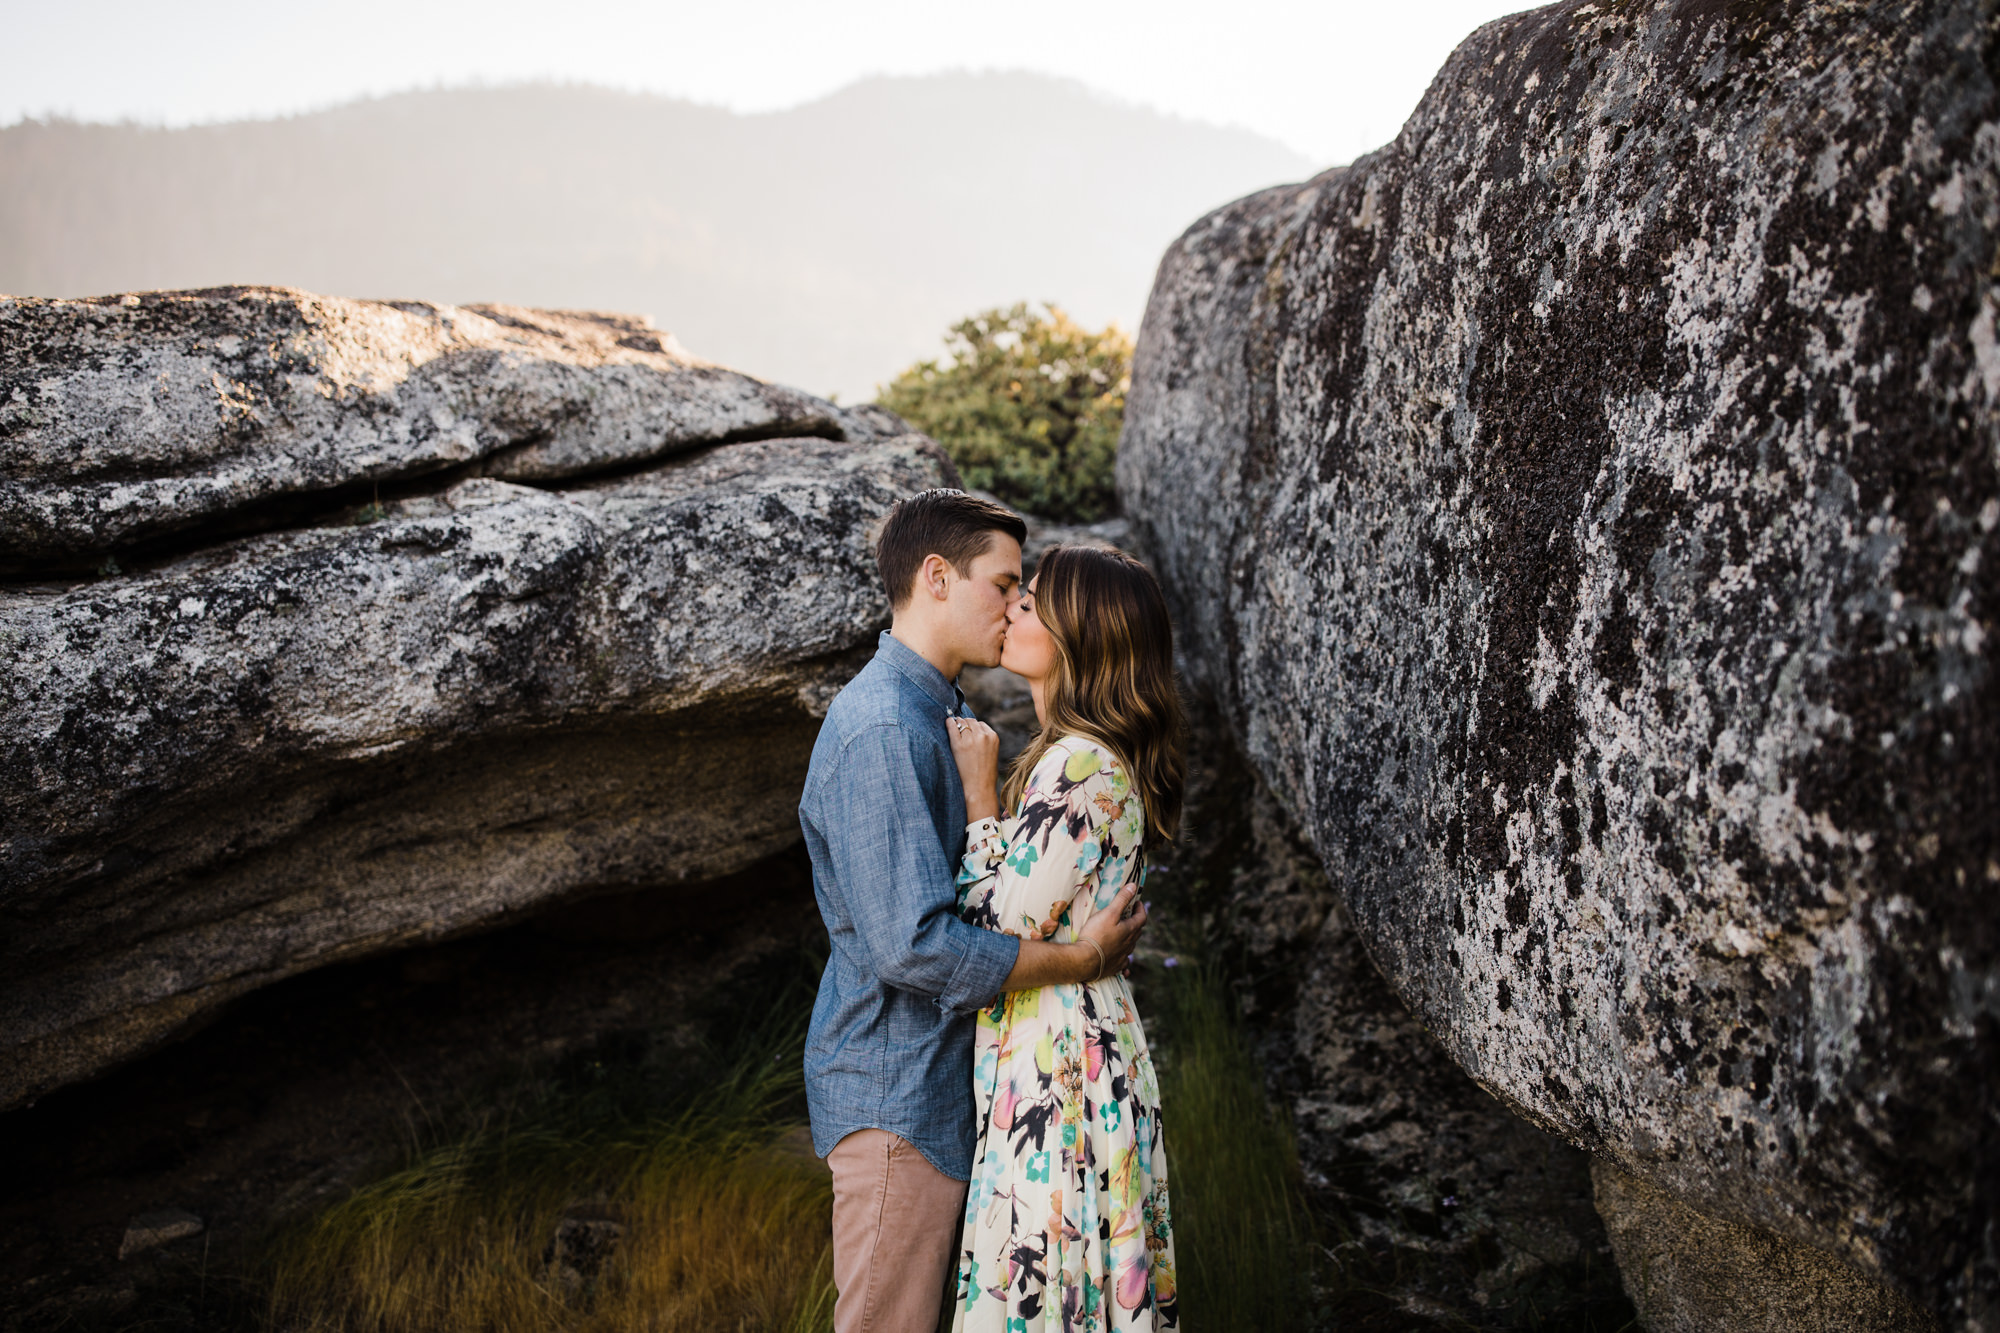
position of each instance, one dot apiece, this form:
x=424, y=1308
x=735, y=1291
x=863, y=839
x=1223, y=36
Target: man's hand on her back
x=1117, y=928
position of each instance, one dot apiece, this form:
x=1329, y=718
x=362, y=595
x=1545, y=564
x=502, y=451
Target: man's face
x=977, y=604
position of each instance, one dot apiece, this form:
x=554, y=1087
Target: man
x=889, y=1053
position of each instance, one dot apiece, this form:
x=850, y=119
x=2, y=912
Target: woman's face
x=1029, y=651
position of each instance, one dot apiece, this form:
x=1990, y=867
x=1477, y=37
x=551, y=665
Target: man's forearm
x=1044, y=964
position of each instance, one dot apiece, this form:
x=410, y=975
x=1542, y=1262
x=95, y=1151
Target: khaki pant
x=895, y=1227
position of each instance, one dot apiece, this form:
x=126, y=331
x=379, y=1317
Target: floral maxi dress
x=1066, y=1218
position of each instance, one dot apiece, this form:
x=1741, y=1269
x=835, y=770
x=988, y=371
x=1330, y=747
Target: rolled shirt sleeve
x=898, y=886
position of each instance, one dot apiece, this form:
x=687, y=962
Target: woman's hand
x=976, y=748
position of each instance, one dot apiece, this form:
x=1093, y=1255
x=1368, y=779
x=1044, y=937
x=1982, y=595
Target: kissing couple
x=978, y=1078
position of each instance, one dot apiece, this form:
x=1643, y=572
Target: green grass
x=725, y=1226
x=1242, y=1238
x=724, y=1214
x=725, y=1223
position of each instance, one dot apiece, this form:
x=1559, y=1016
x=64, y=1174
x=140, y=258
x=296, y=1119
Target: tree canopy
x=1028, y=404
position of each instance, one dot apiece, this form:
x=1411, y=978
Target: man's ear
x=934, y=577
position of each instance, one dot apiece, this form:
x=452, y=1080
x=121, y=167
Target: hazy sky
x=1332, y=79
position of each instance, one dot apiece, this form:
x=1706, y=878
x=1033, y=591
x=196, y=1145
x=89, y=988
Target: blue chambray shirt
x=890, y=1046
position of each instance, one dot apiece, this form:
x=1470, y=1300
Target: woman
x=1067, y=1224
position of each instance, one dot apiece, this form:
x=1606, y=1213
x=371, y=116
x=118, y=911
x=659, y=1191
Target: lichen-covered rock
x=1448, y=1206
x=319, y=742
x=1584, y=510
x=128, y=417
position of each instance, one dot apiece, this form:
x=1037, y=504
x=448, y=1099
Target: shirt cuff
x=981, y=831
x=981, y=974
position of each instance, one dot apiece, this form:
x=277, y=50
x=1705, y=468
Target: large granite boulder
x=1584, y=512
x=415, y=718
x=129, y=417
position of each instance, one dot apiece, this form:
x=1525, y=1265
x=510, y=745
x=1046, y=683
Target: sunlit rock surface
x=126, y=417
x=1584, y=512
x=400, y=723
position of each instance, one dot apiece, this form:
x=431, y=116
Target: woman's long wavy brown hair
x=1113, y=676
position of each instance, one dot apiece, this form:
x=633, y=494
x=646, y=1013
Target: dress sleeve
x=1057, y=841
x=979, y=872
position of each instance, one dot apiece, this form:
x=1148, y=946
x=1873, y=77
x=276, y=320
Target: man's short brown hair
x=941, y=522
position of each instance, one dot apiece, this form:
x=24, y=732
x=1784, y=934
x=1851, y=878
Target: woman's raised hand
x=976, y=748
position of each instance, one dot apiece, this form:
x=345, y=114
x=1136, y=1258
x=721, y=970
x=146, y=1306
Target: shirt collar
x=928, y=678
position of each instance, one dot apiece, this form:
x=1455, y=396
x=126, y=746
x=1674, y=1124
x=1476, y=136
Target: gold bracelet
x=1085, y=939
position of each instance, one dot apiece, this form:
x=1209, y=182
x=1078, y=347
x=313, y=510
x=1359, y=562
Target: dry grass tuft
x=718, y=1225
x=723, y=1220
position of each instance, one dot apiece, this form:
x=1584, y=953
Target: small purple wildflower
x=1170, y=961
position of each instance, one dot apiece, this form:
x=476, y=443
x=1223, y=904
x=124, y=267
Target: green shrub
x=1028, y=404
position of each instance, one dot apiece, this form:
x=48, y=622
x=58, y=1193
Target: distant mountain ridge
x=825, y=246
